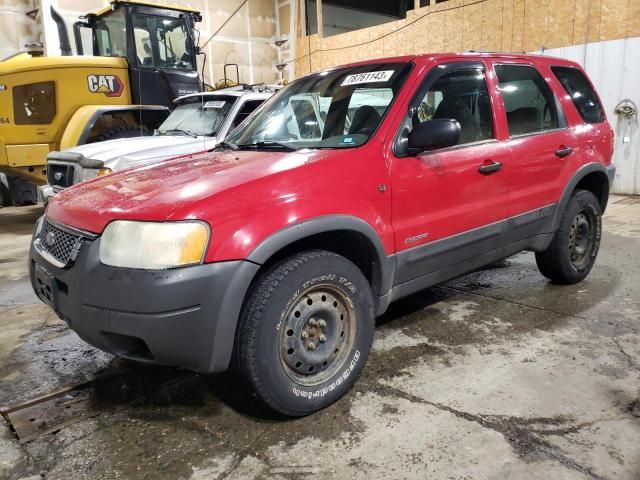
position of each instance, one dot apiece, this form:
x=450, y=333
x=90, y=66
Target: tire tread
x=245, y=344
x=552, y=262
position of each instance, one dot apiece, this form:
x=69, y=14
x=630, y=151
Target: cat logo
x=110, y=85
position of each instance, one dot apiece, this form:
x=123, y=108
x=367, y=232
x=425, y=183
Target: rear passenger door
x=539, y=142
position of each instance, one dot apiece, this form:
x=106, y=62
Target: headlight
x=152, y=245
x=38, y=227
x=89, y=173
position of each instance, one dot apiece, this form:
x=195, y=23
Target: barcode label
x=368, y=77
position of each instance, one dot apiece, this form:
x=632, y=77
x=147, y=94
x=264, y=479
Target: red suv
x=351, y=188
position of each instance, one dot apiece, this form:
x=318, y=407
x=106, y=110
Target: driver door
x=448, y=204
x=160, y=70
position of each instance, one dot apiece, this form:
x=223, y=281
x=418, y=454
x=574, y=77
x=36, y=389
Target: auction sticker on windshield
x=368, y=77
x=214, y=104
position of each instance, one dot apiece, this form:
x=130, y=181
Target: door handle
x=564, y=151
x=489, y=168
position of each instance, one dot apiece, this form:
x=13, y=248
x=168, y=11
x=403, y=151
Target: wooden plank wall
x=489, y=25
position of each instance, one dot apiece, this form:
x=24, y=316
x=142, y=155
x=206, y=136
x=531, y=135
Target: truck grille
x=60, y=244
x=60, y=175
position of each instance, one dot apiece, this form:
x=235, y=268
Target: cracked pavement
x=495, y=375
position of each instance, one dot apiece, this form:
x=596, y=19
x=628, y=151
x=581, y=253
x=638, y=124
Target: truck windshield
x=201, y=116
x=339, y=108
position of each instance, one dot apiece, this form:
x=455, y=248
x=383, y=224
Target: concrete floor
x=495, y=375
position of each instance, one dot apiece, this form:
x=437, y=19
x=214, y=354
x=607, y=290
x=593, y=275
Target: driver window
x=463, y=96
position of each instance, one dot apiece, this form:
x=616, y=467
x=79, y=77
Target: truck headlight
x=153, y=245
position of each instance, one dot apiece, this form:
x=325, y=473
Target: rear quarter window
x=582, y=94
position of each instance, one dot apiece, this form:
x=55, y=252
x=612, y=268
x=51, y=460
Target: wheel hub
x=581, y=239
x=317, y=334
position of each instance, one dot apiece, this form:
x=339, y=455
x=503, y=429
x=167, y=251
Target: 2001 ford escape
x=351, y=188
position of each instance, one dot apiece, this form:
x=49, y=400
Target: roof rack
x=255, y=87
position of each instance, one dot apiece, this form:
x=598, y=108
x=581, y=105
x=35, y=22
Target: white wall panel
x=614, y=68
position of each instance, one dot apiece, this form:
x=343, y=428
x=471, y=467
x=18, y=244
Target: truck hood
x=132, y=152
x=169, y=190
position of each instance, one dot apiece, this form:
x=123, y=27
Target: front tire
x=576, y=242
x=305, y=332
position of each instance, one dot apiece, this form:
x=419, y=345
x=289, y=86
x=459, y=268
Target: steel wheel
x=582, y=238
x=317, y=335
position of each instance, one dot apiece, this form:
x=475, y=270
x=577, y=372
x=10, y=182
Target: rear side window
x=34, y=104
x=528, y=100
x=581, y=92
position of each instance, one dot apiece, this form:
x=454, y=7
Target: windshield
x=339, y=108
x=162, y=42
x=203, y=116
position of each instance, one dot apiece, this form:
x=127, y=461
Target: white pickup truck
x=197, y=124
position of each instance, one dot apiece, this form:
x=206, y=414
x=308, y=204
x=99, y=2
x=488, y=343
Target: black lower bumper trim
x=183, y=317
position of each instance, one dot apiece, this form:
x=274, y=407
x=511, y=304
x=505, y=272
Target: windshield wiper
x=267, y=145
x=223, y=145
x=179, y=130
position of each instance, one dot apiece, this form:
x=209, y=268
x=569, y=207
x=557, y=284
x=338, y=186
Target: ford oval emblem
x=50, y=238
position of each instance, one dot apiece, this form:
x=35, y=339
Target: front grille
x=60, y=244
x=60, y=175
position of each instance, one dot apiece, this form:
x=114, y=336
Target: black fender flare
x=324, y=224
x=608, y=172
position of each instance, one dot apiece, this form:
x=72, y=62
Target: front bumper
x=182, y=317
x=611, y=173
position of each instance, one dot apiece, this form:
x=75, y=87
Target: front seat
x=454, y=107
x=365, y=121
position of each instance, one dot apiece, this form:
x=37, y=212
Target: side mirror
x=433, y=134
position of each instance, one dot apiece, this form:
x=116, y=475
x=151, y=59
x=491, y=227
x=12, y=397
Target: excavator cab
x=157, y=41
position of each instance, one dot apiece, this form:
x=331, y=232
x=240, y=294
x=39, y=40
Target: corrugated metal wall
x=614, y=67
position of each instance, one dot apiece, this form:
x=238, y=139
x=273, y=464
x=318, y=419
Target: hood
x=132, y=152
x=28, y=63
x=169, y=190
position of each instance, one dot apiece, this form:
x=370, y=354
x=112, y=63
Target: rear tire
x=305, y=332
x=574, y=248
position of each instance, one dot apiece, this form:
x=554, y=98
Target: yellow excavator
x=133, y=58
